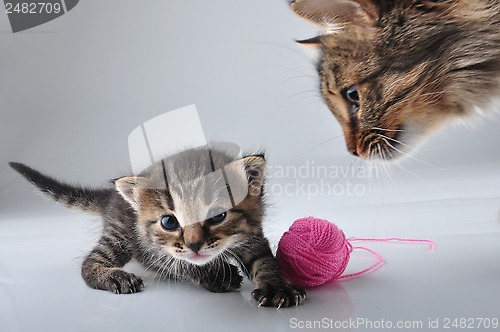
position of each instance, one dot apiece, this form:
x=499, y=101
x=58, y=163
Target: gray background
x=73, y=89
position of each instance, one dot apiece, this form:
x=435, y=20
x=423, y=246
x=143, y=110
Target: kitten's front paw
x=121, y=282
x=222, y=279
x=280, y=297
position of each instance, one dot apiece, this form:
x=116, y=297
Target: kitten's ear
x=327, y=12
x=255, y=166
x=128, y=188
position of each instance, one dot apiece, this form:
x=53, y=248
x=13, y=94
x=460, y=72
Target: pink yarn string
x=380, y=259
x=432, y=244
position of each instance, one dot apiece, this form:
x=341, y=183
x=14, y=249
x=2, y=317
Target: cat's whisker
x=318, y=145
x=299, y=96
x=392, y=139
x=378, y=128
x=408, y=155
x=392, y=184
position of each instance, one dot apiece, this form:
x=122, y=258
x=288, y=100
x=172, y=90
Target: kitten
x=179, y=227
x=393, y=71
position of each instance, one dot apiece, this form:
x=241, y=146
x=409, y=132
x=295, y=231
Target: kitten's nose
x=195, y=246
x=194, y=237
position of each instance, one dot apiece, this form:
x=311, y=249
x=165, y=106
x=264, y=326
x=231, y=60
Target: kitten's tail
x=89, y=200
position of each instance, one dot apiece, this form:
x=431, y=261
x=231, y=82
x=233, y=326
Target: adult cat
x=393, y=71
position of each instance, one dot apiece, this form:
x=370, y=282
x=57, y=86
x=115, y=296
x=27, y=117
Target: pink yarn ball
x=312, y=252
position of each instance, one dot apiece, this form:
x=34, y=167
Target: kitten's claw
x=280, y=303
x=121, y=282
x=279, y=297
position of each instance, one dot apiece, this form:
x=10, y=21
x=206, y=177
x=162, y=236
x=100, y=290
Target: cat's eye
x=351, y=95
x=218, y=215
x=169, y=222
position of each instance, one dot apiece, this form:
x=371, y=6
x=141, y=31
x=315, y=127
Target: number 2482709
x=32, y=8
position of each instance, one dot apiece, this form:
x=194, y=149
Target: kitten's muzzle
x=194, y=237
x=195, y=246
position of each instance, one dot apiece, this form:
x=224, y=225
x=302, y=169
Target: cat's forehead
x=352, y=56
x=346, y=60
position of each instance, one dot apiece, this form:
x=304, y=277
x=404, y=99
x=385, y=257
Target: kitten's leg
x=271, y=289
x=101, y=269
x=219, y=277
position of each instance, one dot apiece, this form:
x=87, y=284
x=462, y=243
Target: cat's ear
x=255, y=167
x=332, y=12
x=311, y=46
x=128, y=188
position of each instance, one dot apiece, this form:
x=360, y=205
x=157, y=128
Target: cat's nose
x=350, y=138
x=195, y=246
x=353, y=151
x=352, y=147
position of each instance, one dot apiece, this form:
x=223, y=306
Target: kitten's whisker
x=213, y=185
x=149, y=265
x=160, y=276
x=296, y=77
x=243, y=267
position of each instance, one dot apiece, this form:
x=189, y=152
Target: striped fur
x=89, y=200
x=416, y=64
x=199, y=249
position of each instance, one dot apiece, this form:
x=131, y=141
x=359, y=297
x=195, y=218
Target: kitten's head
x=210, y=203
x=393, y=71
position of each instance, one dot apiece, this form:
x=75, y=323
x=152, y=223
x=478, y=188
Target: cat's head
x=210, y=203
x=394, y=71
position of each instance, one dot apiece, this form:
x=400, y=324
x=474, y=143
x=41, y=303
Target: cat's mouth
x=380, y=143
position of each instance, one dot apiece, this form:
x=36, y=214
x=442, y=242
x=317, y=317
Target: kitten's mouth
x=199, y=259
x=197, y=256
x=205, y=255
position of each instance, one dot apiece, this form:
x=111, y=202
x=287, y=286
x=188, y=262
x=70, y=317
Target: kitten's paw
x=121, y=282
x=222, y=279
x=279, y=296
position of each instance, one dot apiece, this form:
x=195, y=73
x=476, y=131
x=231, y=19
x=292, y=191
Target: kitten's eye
x=352, y=95
x=218, y=216
x=169, y=222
